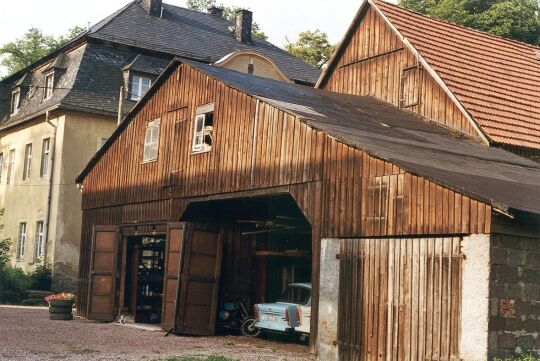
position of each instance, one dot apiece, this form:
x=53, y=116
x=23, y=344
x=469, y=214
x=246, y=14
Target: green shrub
x=41, y=278
x=523, y=357
x=15, y=284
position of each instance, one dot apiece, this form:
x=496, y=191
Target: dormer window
x=49, y=85
x=139, y=86
x=15, y=101
x=203, y=127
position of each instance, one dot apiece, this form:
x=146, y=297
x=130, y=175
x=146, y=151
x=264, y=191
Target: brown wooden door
x=199, y=283
x=103, y=274
x=173, y=257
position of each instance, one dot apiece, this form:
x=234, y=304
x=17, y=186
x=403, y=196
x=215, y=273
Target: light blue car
x=290, y=314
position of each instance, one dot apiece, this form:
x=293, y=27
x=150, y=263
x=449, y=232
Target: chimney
x=152, y=7
x=244, y=20
x=214, y=10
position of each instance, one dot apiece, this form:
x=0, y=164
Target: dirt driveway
x=28, y=334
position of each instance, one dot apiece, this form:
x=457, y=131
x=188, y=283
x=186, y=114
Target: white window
x=1, y=165
x=39, y=240
x=11, y=166
x=45, y=156
x=15, y=101
x=139, y=86
x=49, y=85
x=151, y=141
x=27, y=161
x=22, y=240
x=202, y=129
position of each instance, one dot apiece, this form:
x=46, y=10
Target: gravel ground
x=28, y=334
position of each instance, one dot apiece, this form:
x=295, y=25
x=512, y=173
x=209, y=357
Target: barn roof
x=495, y=79
x=492, y=175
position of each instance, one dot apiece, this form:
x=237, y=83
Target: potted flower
x=60, y=305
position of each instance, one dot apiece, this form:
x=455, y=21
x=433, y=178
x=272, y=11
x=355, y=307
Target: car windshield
x=297, y=295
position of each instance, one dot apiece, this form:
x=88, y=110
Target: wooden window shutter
x=409, y=87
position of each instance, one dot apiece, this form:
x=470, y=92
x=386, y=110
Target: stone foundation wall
x=514, y=296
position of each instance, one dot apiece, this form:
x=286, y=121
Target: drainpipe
x=119, y=120
x=50, y=187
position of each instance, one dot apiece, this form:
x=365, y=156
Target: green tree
x=229, y=12
x=514, y=19
x=5, y=245
x=312, y=47
x=31, y=47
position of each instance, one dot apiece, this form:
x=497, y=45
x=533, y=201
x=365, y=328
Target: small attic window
x=202, y=129
x=139, y=86
x=49, y=85
x=15, y=101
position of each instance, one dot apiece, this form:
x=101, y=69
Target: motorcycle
x=234, y=316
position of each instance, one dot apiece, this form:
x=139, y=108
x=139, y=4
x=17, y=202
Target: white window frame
x=1, y=165
x=151, y=141
x=45, y=157
x=136, y=89
x=27, y=166
x=49, y=86
x=15, y=101
x=21, y=244
x=40, y=247
x=200, y=133
x=11, y=166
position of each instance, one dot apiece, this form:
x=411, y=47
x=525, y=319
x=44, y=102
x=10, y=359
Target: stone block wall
x=514, y=296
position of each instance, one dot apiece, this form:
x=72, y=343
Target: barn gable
x=464, y=79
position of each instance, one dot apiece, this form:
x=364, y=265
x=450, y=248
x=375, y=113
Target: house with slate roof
x=467, y=80
x=56, y=113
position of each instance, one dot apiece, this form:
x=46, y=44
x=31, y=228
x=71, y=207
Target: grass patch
x=85, y=351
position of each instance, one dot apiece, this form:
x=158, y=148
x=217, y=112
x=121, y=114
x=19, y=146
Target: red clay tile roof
x=496, y=80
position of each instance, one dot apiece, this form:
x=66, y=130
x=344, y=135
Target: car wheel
x=249, y=329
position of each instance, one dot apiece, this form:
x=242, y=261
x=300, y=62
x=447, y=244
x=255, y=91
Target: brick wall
x=514, y=291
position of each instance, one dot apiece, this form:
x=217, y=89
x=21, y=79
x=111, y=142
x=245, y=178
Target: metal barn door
x=173, y=256
x=199, y=282
x=103, y=274
x=399, y=299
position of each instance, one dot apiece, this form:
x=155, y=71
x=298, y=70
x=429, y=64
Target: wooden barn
x=220, y=185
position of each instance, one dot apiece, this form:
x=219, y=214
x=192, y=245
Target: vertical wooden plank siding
x=375, y=62
x=368, y=197
x=344, y=192
x=399, y=299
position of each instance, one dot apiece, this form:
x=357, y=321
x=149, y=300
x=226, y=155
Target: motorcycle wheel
x=249, y=329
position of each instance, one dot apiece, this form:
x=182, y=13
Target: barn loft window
x=202, y=133
x=409, y=88
x=151, y=141
x=49, y=85
x=139, y=86
x=15, y=101
x=378, y=196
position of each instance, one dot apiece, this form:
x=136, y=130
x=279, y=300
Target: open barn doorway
x=265, y=246
x=142, y=278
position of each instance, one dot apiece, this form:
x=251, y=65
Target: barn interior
x=142, y=277
x=266, y=246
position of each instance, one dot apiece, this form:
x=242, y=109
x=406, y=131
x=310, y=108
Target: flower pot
x=60, y=309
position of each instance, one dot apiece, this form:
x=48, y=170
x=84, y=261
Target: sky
x=279, y=19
